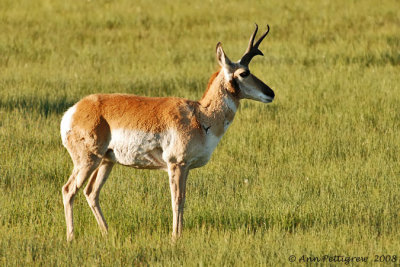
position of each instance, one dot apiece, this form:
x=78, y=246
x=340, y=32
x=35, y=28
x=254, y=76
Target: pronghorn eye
x=244, y=74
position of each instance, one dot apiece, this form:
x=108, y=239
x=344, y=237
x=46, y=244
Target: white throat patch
x=230, y=104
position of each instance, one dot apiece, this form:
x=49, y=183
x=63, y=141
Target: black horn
x=252, y=50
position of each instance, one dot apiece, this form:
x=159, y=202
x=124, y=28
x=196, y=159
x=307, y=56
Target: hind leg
x=78, y=177
x=92, y=192
x=68, y=198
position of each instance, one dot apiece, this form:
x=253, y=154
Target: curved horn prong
x=252, y=49
x=262, y=37
x=251, y=41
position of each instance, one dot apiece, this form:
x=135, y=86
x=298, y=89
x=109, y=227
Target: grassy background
x=321, y=161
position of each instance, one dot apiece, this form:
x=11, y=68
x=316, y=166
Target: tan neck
x=218, y=105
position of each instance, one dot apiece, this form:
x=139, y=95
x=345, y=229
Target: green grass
x=321, y=161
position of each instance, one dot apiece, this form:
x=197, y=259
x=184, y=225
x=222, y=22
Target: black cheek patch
x=235, y=87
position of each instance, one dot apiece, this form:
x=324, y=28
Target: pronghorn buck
x=167, y=133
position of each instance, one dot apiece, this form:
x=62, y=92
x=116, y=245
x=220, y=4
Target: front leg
x=178, y=173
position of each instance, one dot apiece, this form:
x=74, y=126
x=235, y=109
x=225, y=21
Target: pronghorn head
x=238, y=74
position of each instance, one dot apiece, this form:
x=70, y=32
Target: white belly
x=139, y=149
x=144, y=150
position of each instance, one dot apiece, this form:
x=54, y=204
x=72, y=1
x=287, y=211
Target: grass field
x=314, y=173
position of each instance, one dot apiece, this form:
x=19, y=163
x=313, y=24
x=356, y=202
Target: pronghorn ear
x=223, y=60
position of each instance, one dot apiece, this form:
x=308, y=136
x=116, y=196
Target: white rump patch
x=66, y=124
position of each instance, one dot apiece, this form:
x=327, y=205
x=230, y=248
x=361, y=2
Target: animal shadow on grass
x=42, y=105
x=249, y=222
x=228, y=221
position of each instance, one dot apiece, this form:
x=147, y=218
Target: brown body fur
x=96, y=115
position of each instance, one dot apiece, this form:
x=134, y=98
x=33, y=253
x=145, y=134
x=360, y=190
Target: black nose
x=268, y=91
